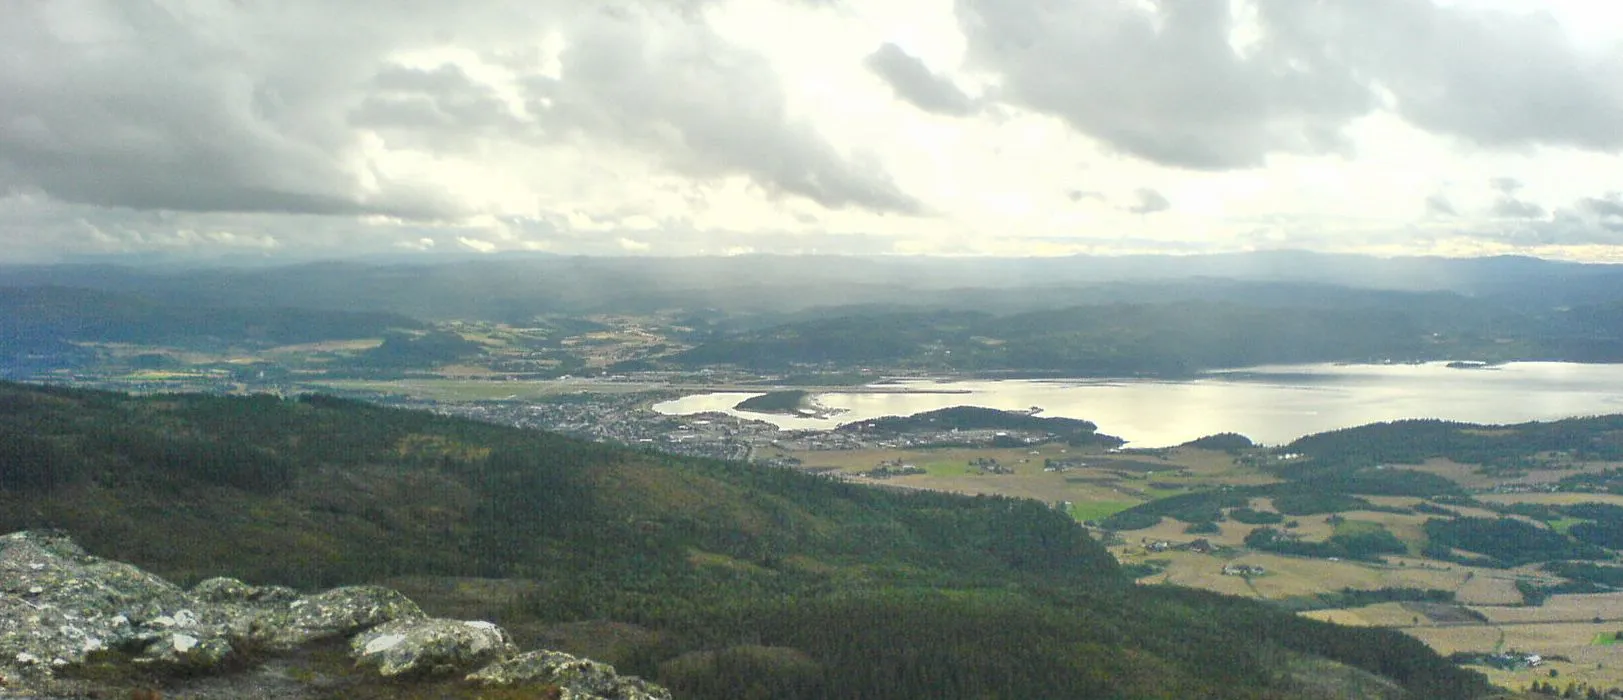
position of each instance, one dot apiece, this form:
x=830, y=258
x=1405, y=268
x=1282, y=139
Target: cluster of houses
x=1199, y=546
x=1243, y=570
x=1063, y=464
x=1513, y=660
x=989, y=465
x=890, y=468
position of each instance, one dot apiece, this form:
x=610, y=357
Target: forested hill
x=1168, y=338
x=722, y=580
x=43, y=316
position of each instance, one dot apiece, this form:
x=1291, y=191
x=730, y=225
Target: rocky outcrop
x=585, y=678
x=430, y=647
x=62, y=610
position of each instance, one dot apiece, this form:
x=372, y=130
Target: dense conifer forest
x=758, y=582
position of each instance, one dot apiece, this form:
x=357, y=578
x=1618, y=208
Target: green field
x=1564, y=524
x=1095, y=510
x=1351, y=528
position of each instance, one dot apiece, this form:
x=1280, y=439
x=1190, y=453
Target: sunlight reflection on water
x=1273, y=404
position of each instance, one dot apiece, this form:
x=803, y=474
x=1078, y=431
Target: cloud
x=1439, y=205
x=1149, y=202
x=1491, y=76
x=135, y=104
x=1513, y=208
x=1587, y=221
x=1508, y=205
x=439, y=109
x=915, y=83
x=479, y=245
x=1505, y=185
x=1609, y=207
x=706, y=107
x=1163, y=82
x=1168, y=81
x=306, y=108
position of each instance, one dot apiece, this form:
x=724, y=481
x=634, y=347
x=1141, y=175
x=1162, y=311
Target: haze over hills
x=499, y=287
x=1069, y=316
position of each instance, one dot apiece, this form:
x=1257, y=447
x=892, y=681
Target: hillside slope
x=750, y=582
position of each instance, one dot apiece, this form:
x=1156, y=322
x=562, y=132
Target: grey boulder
x=576, y=677
x=413, y=647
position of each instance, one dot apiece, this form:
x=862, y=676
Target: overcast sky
x=952, y=127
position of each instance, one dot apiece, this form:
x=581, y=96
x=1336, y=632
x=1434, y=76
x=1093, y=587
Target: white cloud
x=477, y=244
x=916, y=126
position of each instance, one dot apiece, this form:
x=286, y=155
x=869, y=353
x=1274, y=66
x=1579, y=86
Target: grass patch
x=947, y=467
x=1605, y=639
x=1155, y=493
x=1562, y=525
x=1353, y=528
x=1098, y=510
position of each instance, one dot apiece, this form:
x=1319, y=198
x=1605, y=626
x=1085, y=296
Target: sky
x=297, y=129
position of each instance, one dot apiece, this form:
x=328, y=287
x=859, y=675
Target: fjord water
x=1272, y=404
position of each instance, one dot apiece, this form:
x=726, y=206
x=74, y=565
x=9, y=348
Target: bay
x=1270, y=404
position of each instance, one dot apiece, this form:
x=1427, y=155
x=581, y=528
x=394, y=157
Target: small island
x=1006, y=428
x=1471, y=364
x=792, y=402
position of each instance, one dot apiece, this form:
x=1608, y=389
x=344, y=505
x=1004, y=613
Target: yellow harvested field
x=1109, y=478
x=1488, y=587
x=1169, y=530
x=1465, y=475
x=1447, y=640
x=1553, y=499
x=1379, y=615
x=1299, y=576
x=1198, y=571
x=1285, y=576
x=1567, y=608
x=1469, y=512
x=1600, y=666
x=1394, y=501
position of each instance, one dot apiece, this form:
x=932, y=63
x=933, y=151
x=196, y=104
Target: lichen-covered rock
x=59, y=604
x=430, y=647
x=62, y=609
x=339, y=612
x=182, y=649
x=229, y=591
x=576, y=677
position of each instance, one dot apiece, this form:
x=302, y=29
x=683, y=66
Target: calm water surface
x=1273, y=404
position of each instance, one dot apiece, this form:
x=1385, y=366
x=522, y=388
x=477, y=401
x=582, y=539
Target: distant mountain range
x=1078, y=316
x=501, y=287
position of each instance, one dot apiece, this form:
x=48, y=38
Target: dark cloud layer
x=1586, y=221
x=1163, y=86
x=142, y=105
x=1163, y=81
x=913, y=82
x=1493, y=77
x=147, y=105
